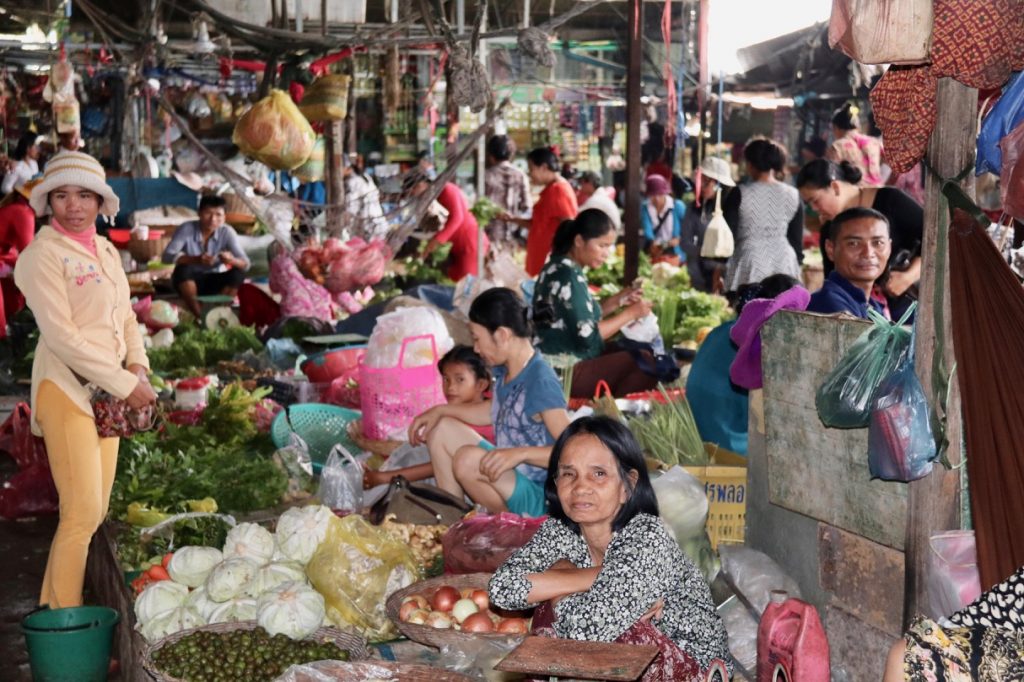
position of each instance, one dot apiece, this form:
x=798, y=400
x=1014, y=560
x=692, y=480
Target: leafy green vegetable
x=669, y=433
x=613, y=270
x=198, y=348
x=485, y=210
x=429, y=269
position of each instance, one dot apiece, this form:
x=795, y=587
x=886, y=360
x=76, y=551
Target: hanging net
x=987, y=304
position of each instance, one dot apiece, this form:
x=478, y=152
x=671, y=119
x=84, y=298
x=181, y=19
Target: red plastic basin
x=325, y=366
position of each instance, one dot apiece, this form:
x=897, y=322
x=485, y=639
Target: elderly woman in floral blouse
x=570, y=320
x=607, y=563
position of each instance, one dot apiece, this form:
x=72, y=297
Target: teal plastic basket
x=320, y=425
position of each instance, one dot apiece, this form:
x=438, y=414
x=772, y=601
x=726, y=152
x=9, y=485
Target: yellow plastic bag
x=355, y=568
x=326, y=99
x=275, y=132
x=313, y=169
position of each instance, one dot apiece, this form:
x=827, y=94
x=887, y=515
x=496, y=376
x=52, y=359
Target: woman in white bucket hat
x=716, y=174
x=74, y=284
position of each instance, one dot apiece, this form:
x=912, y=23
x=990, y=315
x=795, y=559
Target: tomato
x=158, y=573
x=167, y=559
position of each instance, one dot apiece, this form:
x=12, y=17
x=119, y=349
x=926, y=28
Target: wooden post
x=335, y=143
x=934, y=501
x=633, y=110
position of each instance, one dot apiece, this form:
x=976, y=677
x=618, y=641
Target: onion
x=513, y=626
x=407, y=608
x=444, y=599
x=441, y=621
x=420, y=601
x=466, y=592
x=417, y=617
x=481, y=598
x=463, y=609
x=478, y=622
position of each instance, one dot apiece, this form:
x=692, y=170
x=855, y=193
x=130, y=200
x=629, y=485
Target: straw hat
x=79, y=170
x=717, y=169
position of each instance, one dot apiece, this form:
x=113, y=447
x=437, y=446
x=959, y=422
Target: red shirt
x=17, y=228
x=556, y=203
x=461, y=230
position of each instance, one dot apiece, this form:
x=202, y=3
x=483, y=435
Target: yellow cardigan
x=86, y=323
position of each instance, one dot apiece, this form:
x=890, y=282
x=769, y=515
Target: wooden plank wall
x=839, y=534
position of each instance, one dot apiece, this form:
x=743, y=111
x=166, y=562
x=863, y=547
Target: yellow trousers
x=83, y=466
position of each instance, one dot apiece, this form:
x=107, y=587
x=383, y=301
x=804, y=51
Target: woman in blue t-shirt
x=527, y=411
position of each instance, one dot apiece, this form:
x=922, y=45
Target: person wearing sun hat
x=715, y=175
x=88, y=338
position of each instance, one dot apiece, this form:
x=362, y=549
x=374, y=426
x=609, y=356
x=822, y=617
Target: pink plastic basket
x=392, y=397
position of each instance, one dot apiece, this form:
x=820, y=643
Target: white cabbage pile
x=230, y=578
x=191, y=565
x=300, y=531
x=250, y=541
x=293, y=609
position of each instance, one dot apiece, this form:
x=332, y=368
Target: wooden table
x=572, y=659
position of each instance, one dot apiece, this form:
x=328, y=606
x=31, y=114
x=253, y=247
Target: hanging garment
x=987, y=304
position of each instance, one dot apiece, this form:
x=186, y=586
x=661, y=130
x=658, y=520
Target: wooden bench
x=569, y=659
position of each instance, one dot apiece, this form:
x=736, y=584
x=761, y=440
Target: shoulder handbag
x=421, y=504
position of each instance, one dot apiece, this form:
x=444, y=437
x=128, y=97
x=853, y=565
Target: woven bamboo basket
x=381, y=670
x=384, y=448
x=355, y=646
x=432, y=636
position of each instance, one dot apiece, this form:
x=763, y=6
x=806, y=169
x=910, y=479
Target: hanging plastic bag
x=684, y=507
x=481, y=543
x=326, y=99
x=844, y=399
x=718, y=240
x=882, y=31
x=341, y=481
x=1006, y=115
x=900, y=442
x=953, y=579
x=355, y=568
x=275, y=132
x=30, y=491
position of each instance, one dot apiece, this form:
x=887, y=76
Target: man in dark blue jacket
x=859, y=245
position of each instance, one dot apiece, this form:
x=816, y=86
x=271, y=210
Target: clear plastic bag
x=844, y=399
x=1011, y=180
x=341, y=481
x=405, y=455
x=953, y=578
x=384, y=349
x=684, y=507
x=900, y=442
x=355, y=568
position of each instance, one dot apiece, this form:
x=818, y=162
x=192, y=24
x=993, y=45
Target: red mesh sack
x=30, y=491
x=481, y=543
x=359, y=265
x=1011, y=184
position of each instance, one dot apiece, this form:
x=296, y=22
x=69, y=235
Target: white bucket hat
x=79, y=170
x=717, y=169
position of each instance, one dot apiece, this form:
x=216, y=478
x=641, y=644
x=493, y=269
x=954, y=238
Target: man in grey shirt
x=207, y=257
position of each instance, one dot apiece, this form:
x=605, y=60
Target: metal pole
x=481, y=161
x=721, y=105
x=633, y=111
x=298, y=16
x=526, y=13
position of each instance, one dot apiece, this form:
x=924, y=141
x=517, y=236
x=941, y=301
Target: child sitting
x=466, y=381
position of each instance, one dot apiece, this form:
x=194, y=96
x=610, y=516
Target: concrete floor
x=24, y=546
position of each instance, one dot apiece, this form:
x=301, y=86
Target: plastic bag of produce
x=356, y=265
x=356, y=567
x=900, y=442
x=312, y=170
x=275, y=132
x=393, y=328
x=30, y=491
x=684, y=507
x=481, y=543
x=953, y=578
x=341, y=481
x=844, y=399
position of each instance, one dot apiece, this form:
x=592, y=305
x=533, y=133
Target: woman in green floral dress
x=570, y=320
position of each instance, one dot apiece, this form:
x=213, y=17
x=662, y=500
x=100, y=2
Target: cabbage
x=190, y=565
x=292, y=609
x=301, y=529
x=230, y=578
x=274, y=574
x=251, y=541
x=201, y=603
x=169, y=622
x=157, y=598
x=234, y=611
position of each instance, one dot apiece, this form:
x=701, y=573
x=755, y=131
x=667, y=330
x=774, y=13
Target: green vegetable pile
x=197, y=348
x=681, y=313
x=430, y=269
x=613, y=270
x=133, y=550
x=669, y=433
x=222, y=457
x=244, y=655
x=485, y=210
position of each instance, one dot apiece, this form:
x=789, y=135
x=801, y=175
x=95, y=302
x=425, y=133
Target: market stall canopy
x=796, y=64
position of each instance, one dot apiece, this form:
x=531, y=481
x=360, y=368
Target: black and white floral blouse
x=642, y=564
